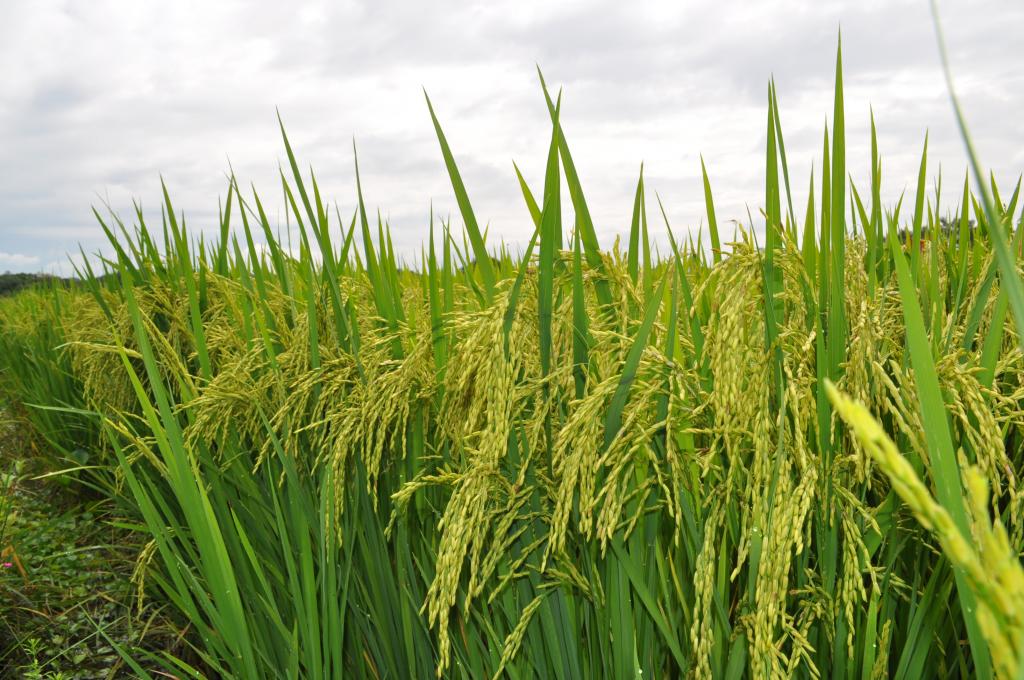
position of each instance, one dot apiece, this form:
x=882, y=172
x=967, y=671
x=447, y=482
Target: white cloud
x=100, y=98
x=17, y=261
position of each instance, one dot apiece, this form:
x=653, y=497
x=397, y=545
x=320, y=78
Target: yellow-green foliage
x=566, y=464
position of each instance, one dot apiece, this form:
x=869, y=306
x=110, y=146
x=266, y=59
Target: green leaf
x=483, y=258
x=944, y=467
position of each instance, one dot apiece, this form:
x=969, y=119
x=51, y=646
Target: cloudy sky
x=100, y=98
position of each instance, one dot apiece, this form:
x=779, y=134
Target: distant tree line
x=11, y=282
x=947, y=228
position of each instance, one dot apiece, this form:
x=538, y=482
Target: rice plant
x=792, y=458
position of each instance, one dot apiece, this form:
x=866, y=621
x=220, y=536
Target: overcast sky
x=100, y=98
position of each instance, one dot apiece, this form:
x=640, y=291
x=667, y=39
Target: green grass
x=67, y=562
x=574, y=463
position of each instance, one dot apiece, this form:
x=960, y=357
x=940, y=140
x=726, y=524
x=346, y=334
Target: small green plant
x=36, y=669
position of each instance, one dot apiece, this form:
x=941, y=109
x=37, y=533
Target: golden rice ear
x=986, y=558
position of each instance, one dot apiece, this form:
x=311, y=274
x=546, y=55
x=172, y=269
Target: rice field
x=798, y=456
